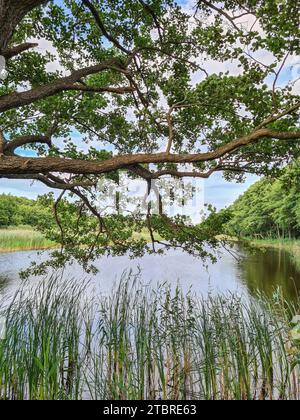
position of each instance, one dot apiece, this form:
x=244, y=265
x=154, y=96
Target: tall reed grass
x=23, y=238
x=139, y=343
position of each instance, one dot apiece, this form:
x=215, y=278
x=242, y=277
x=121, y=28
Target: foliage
x=269, y=209
x=65, y=342
x=146, y=88
x=19, y=211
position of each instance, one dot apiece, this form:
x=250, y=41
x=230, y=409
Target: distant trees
x=16, y=211
x=270, y=208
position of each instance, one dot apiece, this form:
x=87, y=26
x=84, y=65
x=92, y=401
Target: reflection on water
x=262, y=271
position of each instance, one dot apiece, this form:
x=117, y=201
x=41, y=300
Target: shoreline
x=23, y=238
x=292, y=247
x=24, y=249
x=287, y=244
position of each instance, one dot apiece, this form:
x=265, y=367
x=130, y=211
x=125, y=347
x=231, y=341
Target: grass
x=139, y=343
x=25, y=238
x=145, y=234
x=21, y=239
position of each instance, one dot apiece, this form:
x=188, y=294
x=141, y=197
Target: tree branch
x=95, y=89
x=18, y=99
x=2, y=143
x=154, y=17
x=12, y=145
x=276, y=79
x=18, y=49
x=11, y=14
x=101, y=25
x=170, y=122
x=23, y=165
x=221, y=12
x=273, y=117
x=148, y=175
x=50, y=181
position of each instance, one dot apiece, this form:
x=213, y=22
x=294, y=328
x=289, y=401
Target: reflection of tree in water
x=265, y=271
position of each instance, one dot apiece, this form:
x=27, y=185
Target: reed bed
x=15, y=239
x=140, y=343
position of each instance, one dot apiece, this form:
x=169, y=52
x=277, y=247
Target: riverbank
x=23, y=238
x=292, y=246
x=288, y=245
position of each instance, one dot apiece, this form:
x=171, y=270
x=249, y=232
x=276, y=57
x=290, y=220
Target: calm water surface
x=263, y=271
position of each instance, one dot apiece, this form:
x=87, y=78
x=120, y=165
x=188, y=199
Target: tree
x=16, y=211
x=268, y=209
x=125, y=79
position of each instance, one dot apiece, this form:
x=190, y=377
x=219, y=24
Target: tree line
x=268, y=209
x=18, y=211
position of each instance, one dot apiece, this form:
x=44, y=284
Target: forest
x=20, y=211
x=268, y=209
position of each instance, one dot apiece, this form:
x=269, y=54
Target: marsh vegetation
x=140, y=343
x=23, y=238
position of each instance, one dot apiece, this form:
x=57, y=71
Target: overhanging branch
x=12, y=145
x=18, y=99
x=23, y=165
x=18, y=49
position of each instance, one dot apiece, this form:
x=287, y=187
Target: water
x=263, y=271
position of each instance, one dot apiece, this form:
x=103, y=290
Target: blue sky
x=222, y=193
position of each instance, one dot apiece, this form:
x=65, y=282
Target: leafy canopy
x=151, y=88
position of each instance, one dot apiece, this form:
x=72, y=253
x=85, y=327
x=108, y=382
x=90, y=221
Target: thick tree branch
x=18, y=99
x=11, y=14
x=22, y=165
x=18, y=49
x=12, y=145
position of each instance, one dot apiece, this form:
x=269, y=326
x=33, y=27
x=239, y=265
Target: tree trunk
x=11, y=14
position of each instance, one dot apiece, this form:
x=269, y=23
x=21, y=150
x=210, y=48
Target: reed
x=18, y=239
x=140, y=343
